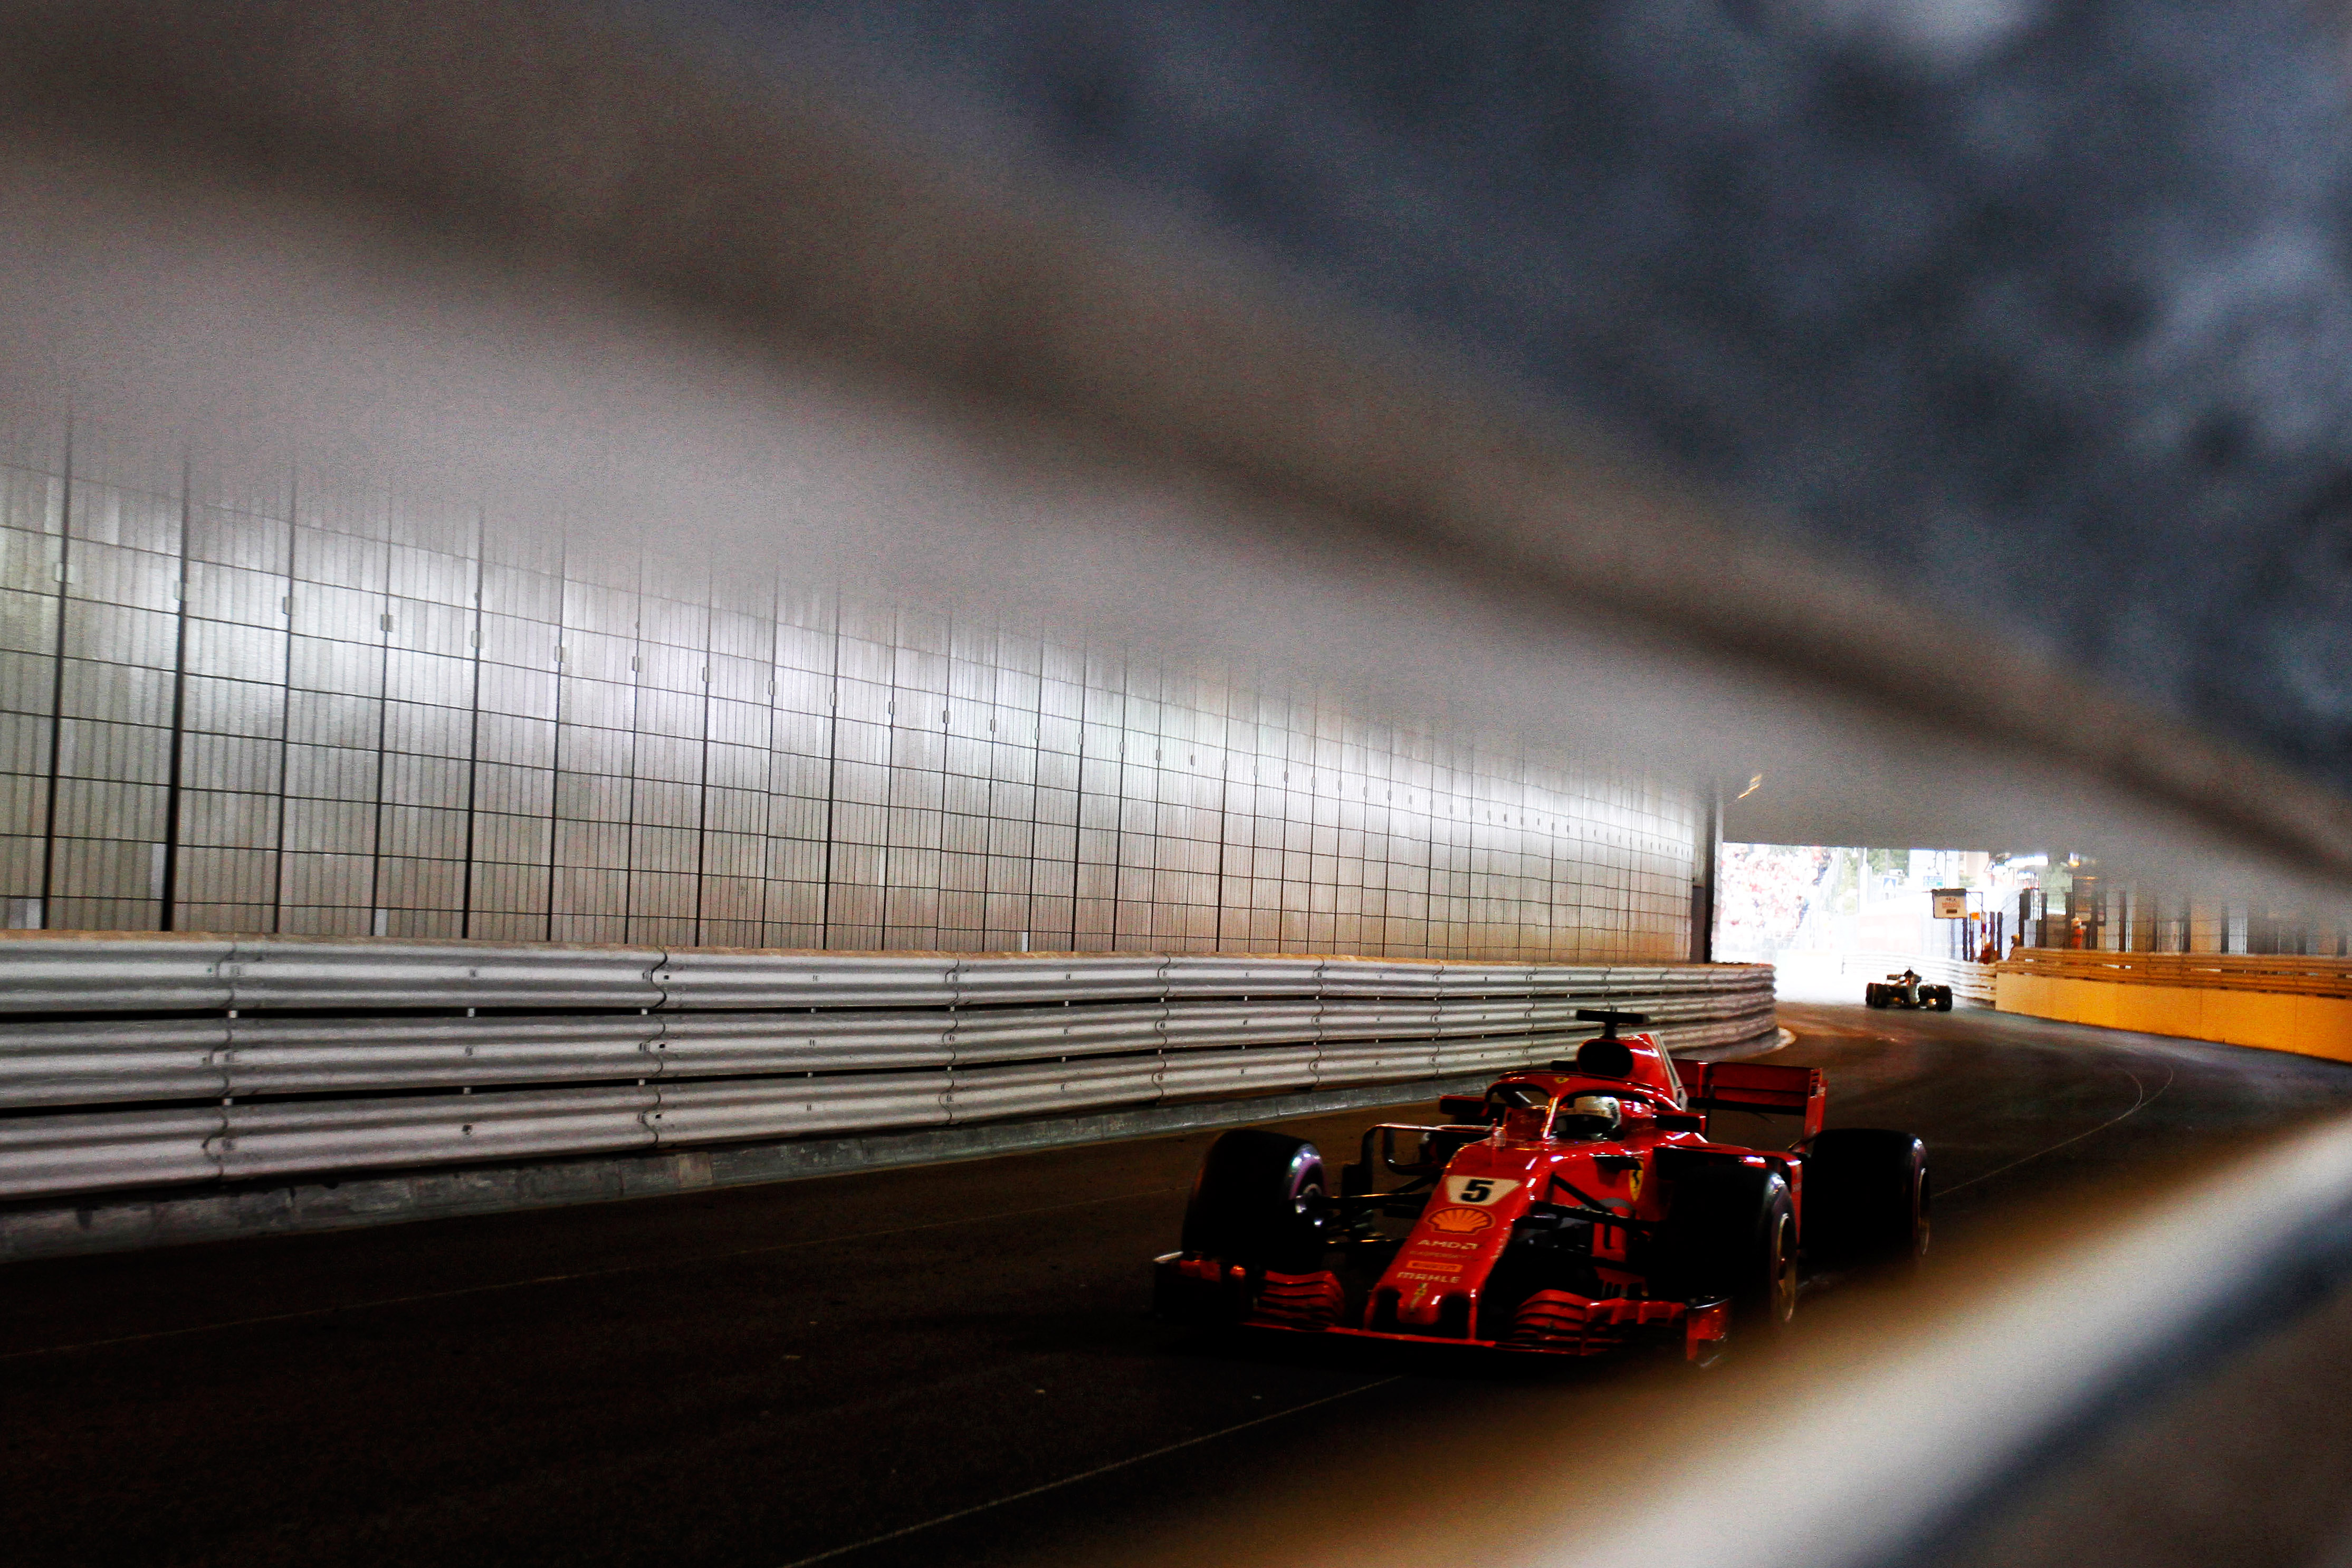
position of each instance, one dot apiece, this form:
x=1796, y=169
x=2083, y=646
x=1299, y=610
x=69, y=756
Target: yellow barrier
x=2311, y=1026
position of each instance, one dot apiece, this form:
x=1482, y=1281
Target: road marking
x=2145, y=1100
x=1088, y=1475
x=561, y=1278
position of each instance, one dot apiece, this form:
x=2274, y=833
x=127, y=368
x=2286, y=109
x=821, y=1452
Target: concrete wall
x=293, y=704
x=2312, y=1025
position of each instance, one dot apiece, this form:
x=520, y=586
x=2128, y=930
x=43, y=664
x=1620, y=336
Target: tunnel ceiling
x=2019, y=308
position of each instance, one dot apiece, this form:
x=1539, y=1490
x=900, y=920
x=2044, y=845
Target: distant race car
x=1570, y=1210
x=1907, y=990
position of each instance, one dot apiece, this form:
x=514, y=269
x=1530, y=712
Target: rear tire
x=1867, y=1199
x=1258, y=1202
x=1732, y=1235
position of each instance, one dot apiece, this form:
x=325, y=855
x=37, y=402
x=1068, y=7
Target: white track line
x=1087, y=1475
x=2145, y=1100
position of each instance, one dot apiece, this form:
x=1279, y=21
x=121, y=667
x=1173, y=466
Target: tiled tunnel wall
x=299, y=707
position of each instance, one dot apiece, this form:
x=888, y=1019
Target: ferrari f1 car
x=1570, y=1210
x=1906, y=990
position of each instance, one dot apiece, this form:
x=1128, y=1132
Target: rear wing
x=1753, y=1086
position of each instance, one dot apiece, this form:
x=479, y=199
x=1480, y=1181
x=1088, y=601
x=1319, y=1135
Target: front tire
x=1867, y=1199
x=1732, y=1235
x=1258, y=1202
x=1873, y=995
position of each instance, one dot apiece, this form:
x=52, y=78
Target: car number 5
x=1478, y=1190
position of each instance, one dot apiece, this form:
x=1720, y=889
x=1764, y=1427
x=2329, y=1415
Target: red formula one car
x=1572, y=1209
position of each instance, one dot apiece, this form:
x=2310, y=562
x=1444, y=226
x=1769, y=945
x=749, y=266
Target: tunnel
x=828, y=782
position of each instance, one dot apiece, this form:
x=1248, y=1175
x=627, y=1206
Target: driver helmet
x=1589, y=1116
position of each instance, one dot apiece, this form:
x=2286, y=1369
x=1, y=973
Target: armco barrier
x=133, y=1061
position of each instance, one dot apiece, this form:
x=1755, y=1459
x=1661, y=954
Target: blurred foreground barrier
x=2142, y=1373
x=2278, y=1001
x=1974, y=1427
x=134, y=1060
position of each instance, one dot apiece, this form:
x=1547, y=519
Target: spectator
x=1991, y=952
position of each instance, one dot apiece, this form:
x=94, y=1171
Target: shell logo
x=1460, y=1221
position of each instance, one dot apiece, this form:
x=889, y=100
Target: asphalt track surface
x=944, y=1364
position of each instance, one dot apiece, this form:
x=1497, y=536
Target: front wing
x=1549, y=1322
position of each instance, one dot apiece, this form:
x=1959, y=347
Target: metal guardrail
x=108, y=973
x=2287, y=974
x=133, y=1061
